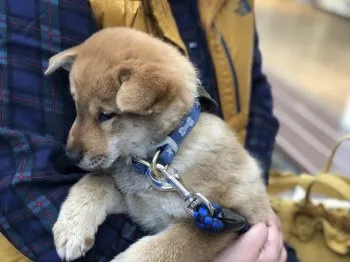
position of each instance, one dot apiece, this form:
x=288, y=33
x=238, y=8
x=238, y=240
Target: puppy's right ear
x=63, y=59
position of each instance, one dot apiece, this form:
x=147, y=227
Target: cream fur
x=150, y=86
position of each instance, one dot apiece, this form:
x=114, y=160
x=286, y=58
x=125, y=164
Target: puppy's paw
x=73, y=237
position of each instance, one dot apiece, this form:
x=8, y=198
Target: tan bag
x=315, y=229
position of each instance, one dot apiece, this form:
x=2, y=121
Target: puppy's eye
x=102, y=117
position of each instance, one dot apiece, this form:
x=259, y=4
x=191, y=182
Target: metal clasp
x=192, y=199
x=162, y=180
x=158, y=181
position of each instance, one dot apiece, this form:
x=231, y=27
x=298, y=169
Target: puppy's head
x=130, y=91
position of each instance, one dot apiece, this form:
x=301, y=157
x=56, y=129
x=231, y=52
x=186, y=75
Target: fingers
x=273, y=247
x=283, y=257
x=256, y=236
x=253, y=240
x=283, y=251
x=273, y=219
x=281, y=243
x=264, y=242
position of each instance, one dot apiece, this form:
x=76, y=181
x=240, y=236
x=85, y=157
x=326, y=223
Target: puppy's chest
x=149, y=207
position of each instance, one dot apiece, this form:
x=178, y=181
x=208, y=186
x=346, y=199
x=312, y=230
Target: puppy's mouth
x=95, y=163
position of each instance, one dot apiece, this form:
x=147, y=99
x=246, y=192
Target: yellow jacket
x=229, y=27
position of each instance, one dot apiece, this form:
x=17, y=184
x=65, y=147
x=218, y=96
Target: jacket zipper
x=233, y=73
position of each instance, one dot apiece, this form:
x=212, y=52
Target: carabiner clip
x=192, y=199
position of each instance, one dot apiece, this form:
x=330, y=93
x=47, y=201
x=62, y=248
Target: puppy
x=131, y=90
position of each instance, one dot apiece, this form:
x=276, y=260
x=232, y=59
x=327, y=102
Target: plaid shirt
x=263, y=125
x=35, y=117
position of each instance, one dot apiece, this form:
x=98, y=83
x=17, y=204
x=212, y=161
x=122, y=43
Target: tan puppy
x=131, y=91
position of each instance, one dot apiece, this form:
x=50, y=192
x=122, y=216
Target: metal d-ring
x=154, y=169
x=158, y=180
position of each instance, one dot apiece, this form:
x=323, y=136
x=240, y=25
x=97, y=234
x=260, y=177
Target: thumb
x=253, y=240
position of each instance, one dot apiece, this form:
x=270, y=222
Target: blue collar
x=213, y=222
x=169, y=147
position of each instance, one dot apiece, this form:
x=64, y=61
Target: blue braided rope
x=206, y=222
x=214, y=223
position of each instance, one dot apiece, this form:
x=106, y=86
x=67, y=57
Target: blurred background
x=306, y=50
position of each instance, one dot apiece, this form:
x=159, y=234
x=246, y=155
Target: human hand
x=262, y=243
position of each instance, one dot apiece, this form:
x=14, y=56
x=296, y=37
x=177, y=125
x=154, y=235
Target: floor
x=309, y=47
x=307, y=59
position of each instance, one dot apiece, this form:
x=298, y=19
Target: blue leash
x=207, y=216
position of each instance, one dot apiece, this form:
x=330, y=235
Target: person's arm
x=263, y=125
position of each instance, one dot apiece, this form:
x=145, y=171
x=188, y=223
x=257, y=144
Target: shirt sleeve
x=263, y=125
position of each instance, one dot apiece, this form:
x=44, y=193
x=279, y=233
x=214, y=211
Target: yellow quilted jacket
x=229, y=27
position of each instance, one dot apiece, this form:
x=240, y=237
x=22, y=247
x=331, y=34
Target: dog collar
x=207, y=216
x=166, y=150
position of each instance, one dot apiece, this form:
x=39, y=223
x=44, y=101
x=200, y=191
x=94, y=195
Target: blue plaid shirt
x=36, y=114
x=263, y=125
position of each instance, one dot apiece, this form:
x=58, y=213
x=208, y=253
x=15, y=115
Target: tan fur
x=149, y=86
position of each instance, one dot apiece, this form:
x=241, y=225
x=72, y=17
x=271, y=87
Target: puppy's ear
x=141, y=93
x=63, y=59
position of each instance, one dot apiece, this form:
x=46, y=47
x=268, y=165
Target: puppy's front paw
x=73, y=237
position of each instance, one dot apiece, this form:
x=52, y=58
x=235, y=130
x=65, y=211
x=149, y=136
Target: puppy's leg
x=86, y=207
x=181, y=242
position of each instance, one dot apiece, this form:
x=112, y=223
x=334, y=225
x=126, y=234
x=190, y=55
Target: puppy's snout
x=74, y=155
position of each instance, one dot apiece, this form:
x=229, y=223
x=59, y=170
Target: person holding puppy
x=219, y=38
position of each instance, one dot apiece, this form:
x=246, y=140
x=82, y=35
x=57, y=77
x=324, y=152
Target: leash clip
x=158, y=181
x=192, y=199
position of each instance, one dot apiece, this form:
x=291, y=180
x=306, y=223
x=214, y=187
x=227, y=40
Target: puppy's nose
x=74, y=155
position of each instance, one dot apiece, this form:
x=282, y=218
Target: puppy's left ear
x=63, y=59
x=143, y=94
